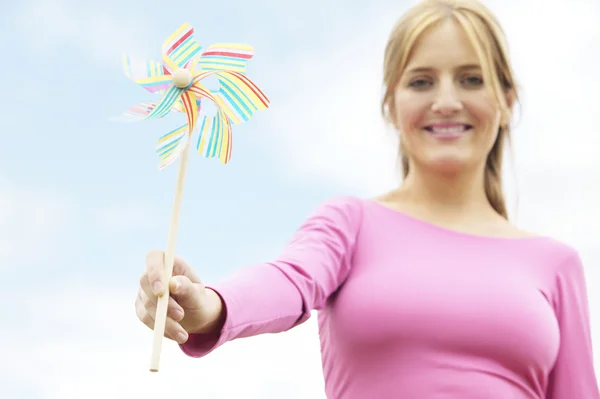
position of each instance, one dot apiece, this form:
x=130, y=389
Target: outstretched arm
x=277, y=296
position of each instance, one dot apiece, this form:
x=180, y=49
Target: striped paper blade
x=142, y=110
x=170, y=146
x=201, y=91
x=226, y=57
x=239, y=97
x=180, y=48
x=149, y=74
x=214, y=140
x=191, y=105
x=166, y=103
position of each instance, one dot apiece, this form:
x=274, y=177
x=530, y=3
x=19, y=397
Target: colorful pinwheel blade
x=180, y=48
x=215, y=137
x=239, y=97
x=170, y=145
x=201, y=91
x=137, y=112
x=142, y=110
x=226, y=57
x=148, y=74
x=166, y=103
x=191, y=106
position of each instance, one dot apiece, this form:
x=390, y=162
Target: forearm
x=257, y=300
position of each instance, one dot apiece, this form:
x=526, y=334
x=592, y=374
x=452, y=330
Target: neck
x=452, y=193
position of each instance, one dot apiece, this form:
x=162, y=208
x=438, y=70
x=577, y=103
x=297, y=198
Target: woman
x=427, y=291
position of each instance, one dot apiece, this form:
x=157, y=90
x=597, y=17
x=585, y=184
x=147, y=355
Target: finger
x=174, y=310
x=173, y=330
x=142, y=313
x=185, y=292
x=155, y=269
x=145, y=287
x=182, y=268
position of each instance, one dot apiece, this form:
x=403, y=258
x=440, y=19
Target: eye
x=419, y=83
x=472, y=80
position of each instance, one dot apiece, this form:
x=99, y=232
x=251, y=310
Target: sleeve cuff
x=200, y=345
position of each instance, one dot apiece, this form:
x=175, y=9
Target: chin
x=447, y=165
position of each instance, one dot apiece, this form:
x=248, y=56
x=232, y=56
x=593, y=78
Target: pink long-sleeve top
x=410, y=310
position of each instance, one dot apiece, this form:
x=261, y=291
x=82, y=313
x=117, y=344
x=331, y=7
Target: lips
x=448, y=131
x=446, y=128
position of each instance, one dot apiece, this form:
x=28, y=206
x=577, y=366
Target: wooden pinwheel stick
x=160, y=319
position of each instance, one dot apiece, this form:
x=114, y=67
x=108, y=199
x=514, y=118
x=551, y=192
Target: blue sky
x=82, y=199
x=97, y=166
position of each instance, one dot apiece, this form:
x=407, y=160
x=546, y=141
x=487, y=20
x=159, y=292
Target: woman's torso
x=431, y=313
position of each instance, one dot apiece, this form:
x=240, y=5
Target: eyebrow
x=419, y=69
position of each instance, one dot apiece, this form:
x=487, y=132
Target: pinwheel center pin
x=182, y=78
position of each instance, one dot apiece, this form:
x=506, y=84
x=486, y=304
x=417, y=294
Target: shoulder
x=342, y=215
x=569, y=264
x=563, y=264
x=341, y=208
x=567, y=278
x=560, y=254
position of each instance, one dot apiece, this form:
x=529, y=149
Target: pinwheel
x=179, y=82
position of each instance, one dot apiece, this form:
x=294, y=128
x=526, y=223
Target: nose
x=446, y=101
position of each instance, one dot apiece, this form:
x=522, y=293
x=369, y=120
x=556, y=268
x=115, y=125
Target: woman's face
x=447, y=118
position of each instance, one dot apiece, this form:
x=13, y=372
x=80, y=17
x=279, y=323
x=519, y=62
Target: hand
x=192, y=308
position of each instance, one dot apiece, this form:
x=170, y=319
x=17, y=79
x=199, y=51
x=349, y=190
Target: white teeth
x=449, y=130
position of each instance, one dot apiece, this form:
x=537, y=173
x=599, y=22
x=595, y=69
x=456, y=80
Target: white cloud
x=32, y=223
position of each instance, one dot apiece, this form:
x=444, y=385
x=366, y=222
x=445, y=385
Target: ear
x=511, y=97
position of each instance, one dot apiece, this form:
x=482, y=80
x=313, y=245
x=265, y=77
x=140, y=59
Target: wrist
x=215, y=314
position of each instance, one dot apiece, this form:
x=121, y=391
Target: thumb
x=185, y=292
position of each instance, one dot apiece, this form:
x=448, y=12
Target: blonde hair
x=488, y=39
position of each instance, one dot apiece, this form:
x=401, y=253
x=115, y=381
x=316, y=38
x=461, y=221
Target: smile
x=448, y=131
